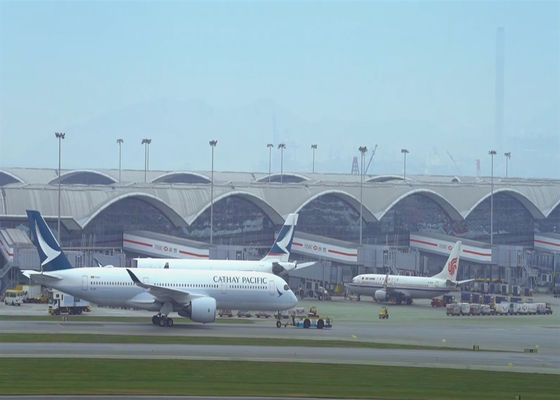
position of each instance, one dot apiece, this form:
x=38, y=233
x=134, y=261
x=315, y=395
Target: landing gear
x=162, y=320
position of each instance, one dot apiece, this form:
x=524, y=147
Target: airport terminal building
x=406, y=226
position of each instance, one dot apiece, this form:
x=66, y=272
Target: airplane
x=195, y=294
x=275, y=261
x=399, y=288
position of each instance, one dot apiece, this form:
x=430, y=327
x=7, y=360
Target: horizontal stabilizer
x=305, y=264
x=458, y=283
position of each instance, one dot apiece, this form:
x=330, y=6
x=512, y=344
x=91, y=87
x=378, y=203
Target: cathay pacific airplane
x=195, y=294
x=399, y=288
x=276, y=261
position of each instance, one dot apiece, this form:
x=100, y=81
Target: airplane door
x=223, y=287
x=271, y=287
x=84, y=282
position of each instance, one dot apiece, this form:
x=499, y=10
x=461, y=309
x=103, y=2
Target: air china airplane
x=276, y=261
x=399, y=288
x=195, y=294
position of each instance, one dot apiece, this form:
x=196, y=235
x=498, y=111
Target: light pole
x=270, y=146
x=363, y=151
x=59, y=136
x=281, y=146
x=313, y=147
x=404, y=153
x=213, y=144
x=508, y=156
x=492, y=154
x=120, y=142
x=146, y=142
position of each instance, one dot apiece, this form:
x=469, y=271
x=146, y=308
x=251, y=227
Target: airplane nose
x=292, y=299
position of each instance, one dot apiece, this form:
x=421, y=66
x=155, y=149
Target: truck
x=543, y=308
x=66, y=304
x=13, y=297
x=503, y=308
x=453, y=309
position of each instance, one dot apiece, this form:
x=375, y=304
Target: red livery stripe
x=477, y=253
x=136, y=242
x=549, y=243
x=423, y=242
x=194, y=254
x=343, y=253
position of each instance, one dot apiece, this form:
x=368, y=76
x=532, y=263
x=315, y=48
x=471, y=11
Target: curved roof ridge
x=74, y=172
x=438, y=198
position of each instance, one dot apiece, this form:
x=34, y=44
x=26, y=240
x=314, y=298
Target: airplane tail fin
x=281, y=248
x=449, y=271
x=51, y=255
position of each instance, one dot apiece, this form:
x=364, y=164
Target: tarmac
x=418, y=324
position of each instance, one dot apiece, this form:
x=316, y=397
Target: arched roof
x=528, y=204
x=6, y=178
x=539, y=197
x=84, y=177
x=166, y=209
x=353, y=201
x=449, y=209
x=256, y=200
x=286, y=178
x=385, y=178
x=182, y=177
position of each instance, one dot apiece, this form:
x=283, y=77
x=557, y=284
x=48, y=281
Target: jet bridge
x=321, y=247
x=154, y=244
x=435, y=243
x=549, y=242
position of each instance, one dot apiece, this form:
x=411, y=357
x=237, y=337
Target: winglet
x=136, y=280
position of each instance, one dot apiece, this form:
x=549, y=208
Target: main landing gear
x=162, y=320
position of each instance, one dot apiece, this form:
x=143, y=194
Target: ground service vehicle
x=384, y=313
x=13, y=297
x=311, y=320
x=66, y=304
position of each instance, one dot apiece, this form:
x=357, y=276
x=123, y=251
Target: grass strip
x=245, y=378
x=207, y=340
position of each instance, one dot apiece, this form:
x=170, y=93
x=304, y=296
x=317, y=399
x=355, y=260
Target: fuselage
x=224, y=265
x=410, y=286
x=240, y=290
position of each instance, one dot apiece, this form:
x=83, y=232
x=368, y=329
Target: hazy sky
x=419, y=75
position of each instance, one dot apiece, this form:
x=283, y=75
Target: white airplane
x=276, y=260
x=399, y=288
x=191, y=293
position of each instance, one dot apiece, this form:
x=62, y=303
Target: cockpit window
x=286, y=287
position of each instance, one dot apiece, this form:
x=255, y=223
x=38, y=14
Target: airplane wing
x=38, y=277
x=279, y=267
x=164, y=294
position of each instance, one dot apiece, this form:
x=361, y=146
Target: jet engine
x=201, y=309
x=381, y=295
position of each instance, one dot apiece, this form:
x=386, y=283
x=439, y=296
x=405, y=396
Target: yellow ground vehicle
x=384, y=313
